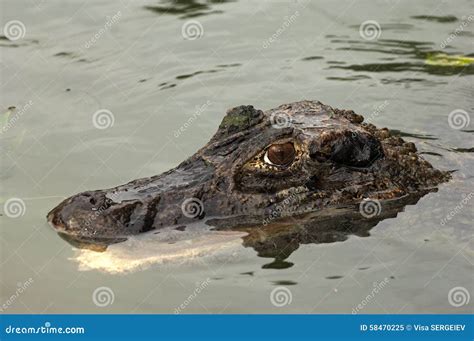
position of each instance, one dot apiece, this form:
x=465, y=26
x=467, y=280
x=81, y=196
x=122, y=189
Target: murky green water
x=167, y=95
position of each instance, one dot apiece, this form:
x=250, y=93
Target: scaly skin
x=339, y=162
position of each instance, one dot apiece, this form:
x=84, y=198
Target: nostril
x=89, y=198
x=93, y=200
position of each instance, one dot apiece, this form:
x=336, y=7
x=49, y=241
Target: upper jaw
x=87, y=214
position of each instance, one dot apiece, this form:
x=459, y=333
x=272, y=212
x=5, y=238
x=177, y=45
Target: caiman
x=265, y=171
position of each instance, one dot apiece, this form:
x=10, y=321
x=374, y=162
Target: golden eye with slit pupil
x=280, y=154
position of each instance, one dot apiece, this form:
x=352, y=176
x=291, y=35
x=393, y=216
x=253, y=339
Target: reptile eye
x=281, y=154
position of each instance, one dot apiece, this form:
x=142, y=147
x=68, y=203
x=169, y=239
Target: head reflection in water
x=276, y=240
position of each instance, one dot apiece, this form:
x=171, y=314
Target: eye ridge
x=280, y=154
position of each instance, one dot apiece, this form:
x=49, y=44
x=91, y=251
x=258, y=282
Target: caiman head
x=259, y=166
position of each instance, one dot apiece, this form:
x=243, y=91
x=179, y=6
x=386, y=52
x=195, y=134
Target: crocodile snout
x=78, y=210
x=93, y=217
x=75, y=220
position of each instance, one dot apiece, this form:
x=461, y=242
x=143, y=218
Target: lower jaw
x=98, y=244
